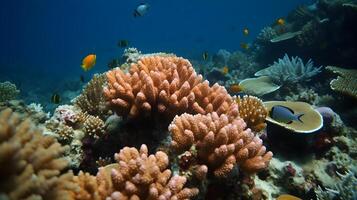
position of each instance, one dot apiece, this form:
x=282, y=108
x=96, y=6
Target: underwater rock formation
x=30, y=163
x=138, y=175
x=221, y=143
x=288, y=70
x=8, y=91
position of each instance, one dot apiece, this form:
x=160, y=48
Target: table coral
x=138, y=175
x=30, y=163
x=346, y=82
x=252, y=111
x=220, y=141
x=166, y=84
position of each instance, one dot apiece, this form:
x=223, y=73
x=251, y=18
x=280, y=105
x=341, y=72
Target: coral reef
x=94, y=126
x=30, y=163
x=288, y=70
x=167, y=85
x=252, y=111
x=8, y=91
x=92, y=99
x=258, y=86
x=221, y=143
x=138, y=175
x=88, y=187
x=346, y=82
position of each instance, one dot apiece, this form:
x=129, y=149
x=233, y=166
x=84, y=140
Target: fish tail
x=299, y=117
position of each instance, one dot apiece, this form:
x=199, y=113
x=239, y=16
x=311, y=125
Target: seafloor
x=159, y=126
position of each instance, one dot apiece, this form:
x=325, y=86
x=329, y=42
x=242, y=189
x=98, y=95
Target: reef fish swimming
x=284, y=114
x=88, y=62
x=141, y=9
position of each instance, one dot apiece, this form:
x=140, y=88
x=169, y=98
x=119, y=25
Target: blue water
x=45, y=41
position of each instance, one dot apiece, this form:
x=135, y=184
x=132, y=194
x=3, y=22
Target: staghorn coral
x=288, y=70
x=94, y=126
x=92, y=99
x=138, y=175
x=346, y=82
x=88, y=187
x=221, y=142
x=165, y=84
x=252, y=111
x=8, y=91
x=30, y=163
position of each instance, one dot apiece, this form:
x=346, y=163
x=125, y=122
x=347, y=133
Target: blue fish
x=284, y=114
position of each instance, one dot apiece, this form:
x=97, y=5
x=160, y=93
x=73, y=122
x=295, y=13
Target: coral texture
x=252, y=111
x=88, y=187
x=168, y=85
x=30, y=163
x=8, y=91
x=94, y=126
x=141, y=176
x=92, y=100
x=288, y=70
x=346, y=82
x=220, y=141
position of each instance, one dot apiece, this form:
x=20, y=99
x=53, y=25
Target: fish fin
x=291, y=110
x=271, y=112
x=299, y=117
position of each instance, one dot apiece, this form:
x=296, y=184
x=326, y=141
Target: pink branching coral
x=167, y=84
x=30, y=163
x=220, y=142
x=138, y=175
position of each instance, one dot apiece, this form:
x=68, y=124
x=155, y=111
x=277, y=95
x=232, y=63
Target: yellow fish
x=244, y=45
x=287, y=197
x=235, y=88
x=225, y=70
x=246, y=31
x=88, y=62
x=280, y=22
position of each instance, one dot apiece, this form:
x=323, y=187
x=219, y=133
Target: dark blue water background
x=43, y=41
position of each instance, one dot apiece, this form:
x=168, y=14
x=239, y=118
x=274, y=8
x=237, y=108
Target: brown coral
x=30, y=163
x=252, y=111
x=220, y=141
x=88, y=187
x=92, y=99
x=94, y=126
x=346, y=82
x=141, y=176
x=168, y=85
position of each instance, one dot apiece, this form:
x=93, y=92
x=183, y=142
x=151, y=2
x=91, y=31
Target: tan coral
x=94, y=126
x=221, y=142
x=138, y=175
x=88, y=187
x=30, y=163
x=92, y=100
x=166, y=84
x=252, y=111
x=346, y=82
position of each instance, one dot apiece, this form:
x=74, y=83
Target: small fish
x=56, y=99
x=284, y=114
x=280, y=22
x=244, y=45
x=235, y=88
x=225, y=70
x=287, y=197
x=88, y=62
x=205, y=55
x=113, y=64
x=123, y=43
x=81, y=78
x=246, y=31
x=141, y=9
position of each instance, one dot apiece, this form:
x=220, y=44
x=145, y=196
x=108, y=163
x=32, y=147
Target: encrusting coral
x=138, y=175
x=252, y=111
x=92, y=99
x=30, y=163
x=167, y=84
x=8, y=91
x=221, y=143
